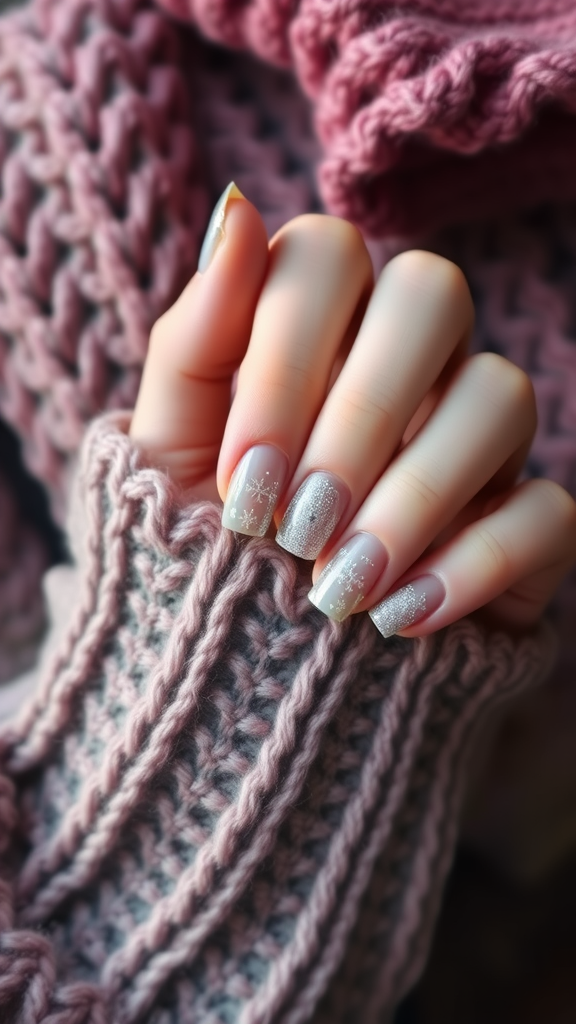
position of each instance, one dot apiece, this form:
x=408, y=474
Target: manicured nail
x=254, y=490
x=313, y=514
x=215, y=231
x=349, y=576
x=408, y=605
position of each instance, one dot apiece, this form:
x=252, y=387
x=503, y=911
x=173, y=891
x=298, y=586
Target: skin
x=372, y=381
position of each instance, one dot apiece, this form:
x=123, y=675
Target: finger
x=319, y=272
x=418, y=321
x=482, y=502
x=509, y=564
x=485, y=416
x=197, y=345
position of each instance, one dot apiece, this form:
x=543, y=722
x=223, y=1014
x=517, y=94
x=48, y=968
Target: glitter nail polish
x=349, y=576
x=254, y=490
x=408, y=605
x=313, y=514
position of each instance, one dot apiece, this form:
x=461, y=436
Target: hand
x=383, y=450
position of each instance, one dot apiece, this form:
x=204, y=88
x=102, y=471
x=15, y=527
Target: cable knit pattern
x=199, y=715
x=391, y=79
x=100, y=211
x=218, y=806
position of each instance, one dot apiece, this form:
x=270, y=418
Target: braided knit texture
x=221, y=787
x=100, y=211
x=407, y=91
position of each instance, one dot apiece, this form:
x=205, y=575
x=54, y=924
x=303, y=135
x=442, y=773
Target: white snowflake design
x=368, y=561
x=261, y=491
x=349, y=579
x=248, y=519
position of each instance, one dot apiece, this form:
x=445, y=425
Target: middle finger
x=418, y=321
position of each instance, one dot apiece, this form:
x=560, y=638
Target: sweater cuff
x=230, y=802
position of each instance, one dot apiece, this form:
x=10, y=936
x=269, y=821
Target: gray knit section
x=234, y=781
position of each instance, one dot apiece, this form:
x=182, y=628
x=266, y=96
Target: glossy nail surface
x=215, y=232
x=254, y=490
x=349, y=576
x=408, y=605
x=313, y=514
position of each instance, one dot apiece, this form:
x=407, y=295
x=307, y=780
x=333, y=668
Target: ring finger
x=487, y=414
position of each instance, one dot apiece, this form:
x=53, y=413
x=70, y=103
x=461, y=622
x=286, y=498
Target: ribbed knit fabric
x=221, y=790
x=219, y=806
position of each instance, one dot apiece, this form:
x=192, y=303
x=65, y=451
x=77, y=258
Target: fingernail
x=408, y=605
x=313, y=514
x=349, y=576
x=215, y=232
x=254, y=489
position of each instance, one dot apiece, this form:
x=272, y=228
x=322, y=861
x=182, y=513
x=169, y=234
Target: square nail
x=408, y=605
x=254, y=490
x=313, y=515
x=349, y=576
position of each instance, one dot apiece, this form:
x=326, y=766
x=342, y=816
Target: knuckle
x=362, y=409
x=502, y=377
x=559, y=504
x=420, y=484
x=492, y=548
x=334, y=233
x=423, y=269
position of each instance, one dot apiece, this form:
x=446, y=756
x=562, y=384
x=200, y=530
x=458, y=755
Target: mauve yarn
x=224, y=806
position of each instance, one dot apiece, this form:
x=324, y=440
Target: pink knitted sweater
x=215, y=804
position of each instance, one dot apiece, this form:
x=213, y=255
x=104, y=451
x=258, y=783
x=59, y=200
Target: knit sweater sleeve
x=428, y=111
x=219, y=805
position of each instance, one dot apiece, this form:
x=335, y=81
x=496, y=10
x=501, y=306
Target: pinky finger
x=508, y=564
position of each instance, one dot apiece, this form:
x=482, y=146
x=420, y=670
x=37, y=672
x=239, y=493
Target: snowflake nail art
x=248, y=519
x=348, y=578
x=342, y=585
x=254, y=489
x=262, y=491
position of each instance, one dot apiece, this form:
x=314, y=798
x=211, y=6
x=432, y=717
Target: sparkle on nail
x=311, y=516
x=349, y=578
x=366, y=560
x=233, y=513
x=399, y=610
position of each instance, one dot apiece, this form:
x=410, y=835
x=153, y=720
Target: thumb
x=197, y=345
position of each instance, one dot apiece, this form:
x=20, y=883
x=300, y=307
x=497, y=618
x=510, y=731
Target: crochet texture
x=225, y=795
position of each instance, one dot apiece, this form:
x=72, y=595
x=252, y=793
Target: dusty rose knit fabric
x=223, y=795
x=101, y=207
x=407, y=92
x=220, y=806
